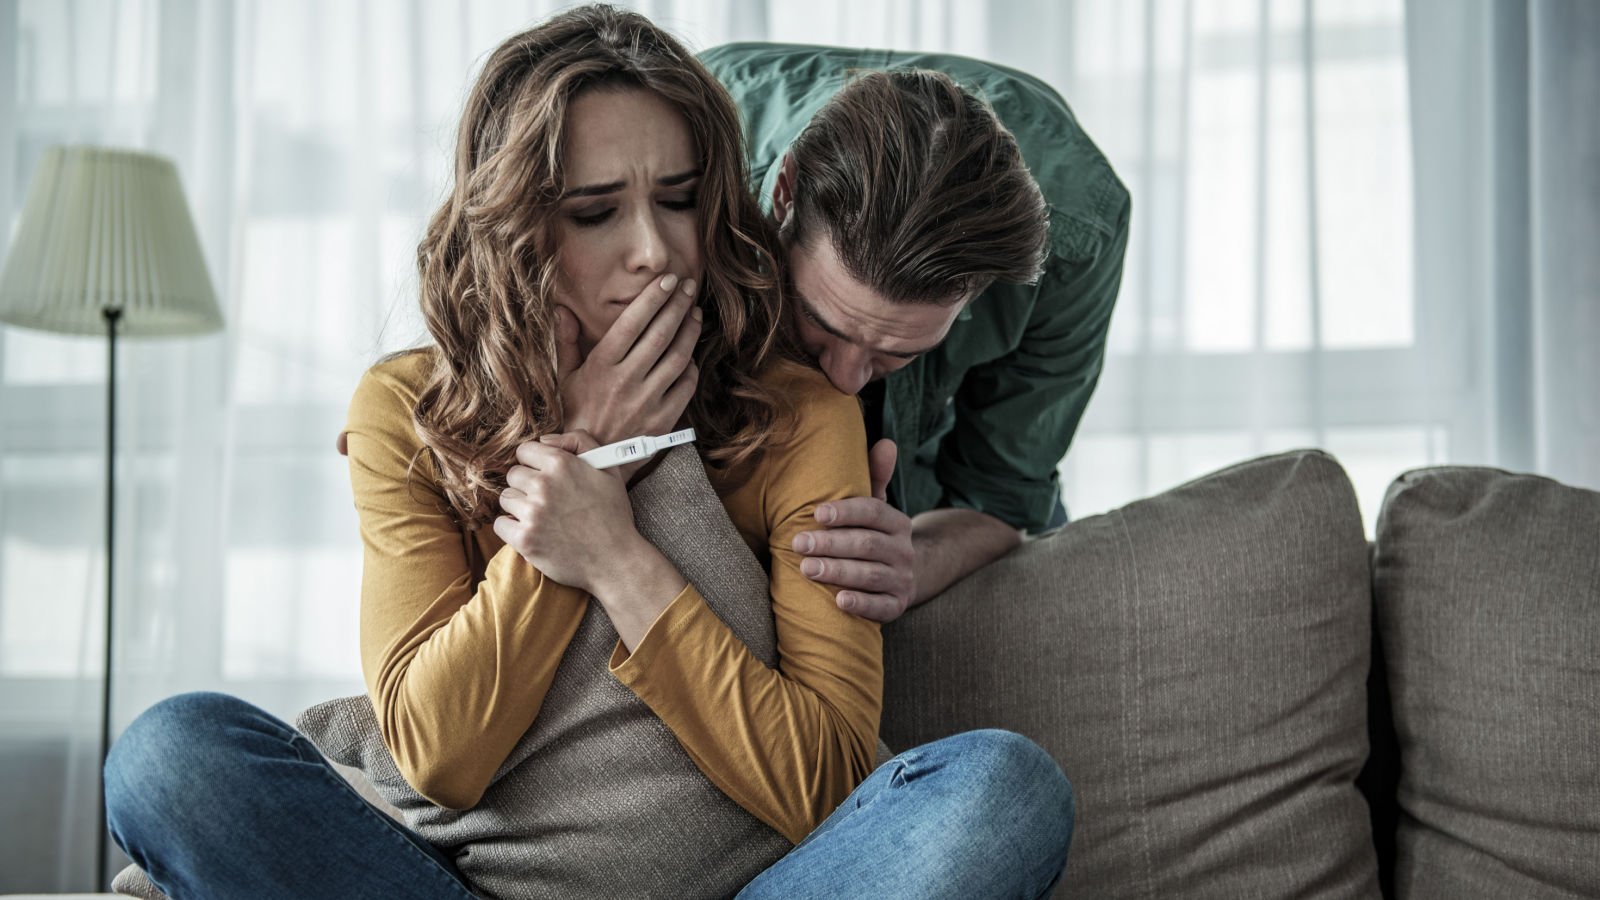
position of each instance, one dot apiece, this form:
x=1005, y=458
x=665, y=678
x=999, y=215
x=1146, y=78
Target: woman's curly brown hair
x=487, y=263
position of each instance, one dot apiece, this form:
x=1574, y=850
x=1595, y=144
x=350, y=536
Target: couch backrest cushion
x=1197, y=664
x=1487, y=587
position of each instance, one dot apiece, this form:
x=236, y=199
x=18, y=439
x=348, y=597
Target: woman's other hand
x=564, y=516
x=640, y=376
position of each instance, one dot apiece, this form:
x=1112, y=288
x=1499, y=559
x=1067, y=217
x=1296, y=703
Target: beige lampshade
x=107, y=229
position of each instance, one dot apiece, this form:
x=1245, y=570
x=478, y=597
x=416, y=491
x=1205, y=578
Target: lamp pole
x=113, y=315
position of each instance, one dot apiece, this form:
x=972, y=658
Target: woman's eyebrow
x=596, y=190
x=673, y=180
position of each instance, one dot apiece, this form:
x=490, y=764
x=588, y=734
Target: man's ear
x=783, y=190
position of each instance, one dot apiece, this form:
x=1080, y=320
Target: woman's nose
x=647, y=249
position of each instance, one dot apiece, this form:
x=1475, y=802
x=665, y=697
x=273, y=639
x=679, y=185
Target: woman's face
x=627, y=215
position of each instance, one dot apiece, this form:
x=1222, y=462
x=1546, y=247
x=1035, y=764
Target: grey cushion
x=132, y=882
x=1196, y=663
x=1488, y=599
x=598, y=799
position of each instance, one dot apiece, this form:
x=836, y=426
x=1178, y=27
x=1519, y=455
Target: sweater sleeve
x=456, y=671
x=790, y=744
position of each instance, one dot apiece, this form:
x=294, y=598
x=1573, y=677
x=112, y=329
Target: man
x=913, y=232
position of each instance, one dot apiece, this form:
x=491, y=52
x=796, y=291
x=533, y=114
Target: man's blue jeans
x=213, y=797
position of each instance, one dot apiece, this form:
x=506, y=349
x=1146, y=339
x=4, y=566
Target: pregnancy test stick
x=635, y=449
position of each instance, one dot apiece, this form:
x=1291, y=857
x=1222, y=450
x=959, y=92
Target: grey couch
x=1253, y=701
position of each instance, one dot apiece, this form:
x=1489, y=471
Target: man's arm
x=951, y=544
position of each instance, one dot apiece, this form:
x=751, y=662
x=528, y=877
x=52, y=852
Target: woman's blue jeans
x=214, y=797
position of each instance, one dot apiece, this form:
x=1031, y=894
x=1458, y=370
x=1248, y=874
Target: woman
x=599, y=194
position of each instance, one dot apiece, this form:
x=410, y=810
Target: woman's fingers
x=574, y=442
x=619, y=339
x=510, y=532
x=649, y=346
x=520, y=477
x=516, y=504
x=680, y=353
x=530, y=479
x=541, y=457
x=677, y=397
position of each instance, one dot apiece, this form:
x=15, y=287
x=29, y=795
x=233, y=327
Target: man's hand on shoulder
x=865, y=547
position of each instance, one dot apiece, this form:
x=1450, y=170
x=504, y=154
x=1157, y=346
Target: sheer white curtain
x=1505, y=98
x=1365, y=225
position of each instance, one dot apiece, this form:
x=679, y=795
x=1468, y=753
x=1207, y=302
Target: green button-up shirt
x=983, y=420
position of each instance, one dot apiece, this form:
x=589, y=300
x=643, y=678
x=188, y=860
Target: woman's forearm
x=786, y=744
x=640, y=585
x=457, y=677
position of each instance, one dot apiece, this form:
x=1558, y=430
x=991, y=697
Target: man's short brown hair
x=919, y=187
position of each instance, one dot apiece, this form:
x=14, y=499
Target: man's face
x=854, y=333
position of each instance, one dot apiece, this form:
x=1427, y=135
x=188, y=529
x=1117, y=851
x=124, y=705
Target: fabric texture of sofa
x=1252, y=701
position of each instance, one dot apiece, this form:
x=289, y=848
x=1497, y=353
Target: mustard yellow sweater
x=460, y=636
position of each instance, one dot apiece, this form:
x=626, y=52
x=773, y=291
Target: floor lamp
x=106, y=246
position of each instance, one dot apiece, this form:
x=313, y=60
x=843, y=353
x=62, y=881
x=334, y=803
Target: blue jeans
x=213, y=797
x=978, y=814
